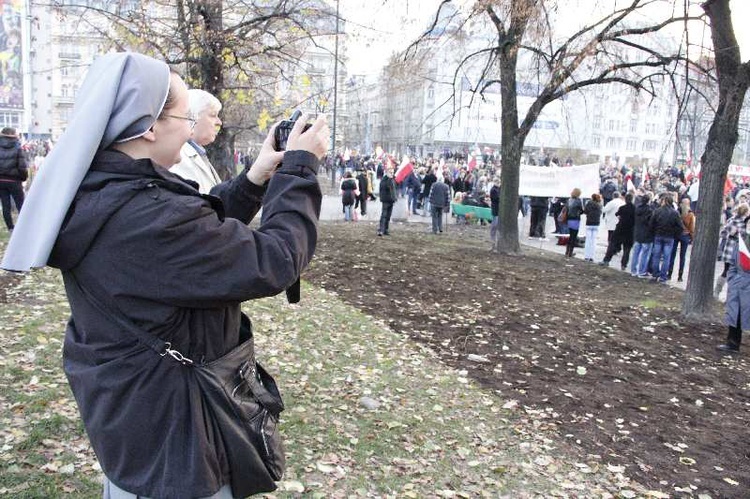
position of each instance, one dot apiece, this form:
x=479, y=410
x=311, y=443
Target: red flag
x=472, y=163
x=403, y=172
x=728, y=186
x=743, y=256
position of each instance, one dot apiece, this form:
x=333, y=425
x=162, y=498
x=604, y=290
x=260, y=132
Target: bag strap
x=262, y=384
x=156, y=344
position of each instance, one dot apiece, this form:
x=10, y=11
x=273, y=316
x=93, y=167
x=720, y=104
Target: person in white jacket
x=608, y=212
x=195, y=166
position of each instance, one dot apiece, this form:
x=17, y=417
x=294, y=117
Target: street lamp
x=335, y=96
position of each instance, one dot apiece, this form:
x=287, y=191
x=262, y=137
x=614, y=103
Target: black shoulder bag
x=242, y=399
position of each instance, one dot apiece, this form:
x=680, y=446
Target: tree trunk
x=212, y=81
x=733, y=77
x=722, y=137
x=506, y=240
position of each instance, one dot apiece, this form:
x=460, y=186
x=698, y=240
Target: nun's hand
x=266, y=162
x=315, y=140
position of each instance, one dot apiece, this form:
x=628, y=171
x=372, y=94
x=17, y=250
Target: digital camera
x=281, y=135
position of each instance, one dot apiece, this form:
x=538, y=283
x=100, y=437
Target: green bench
x=480, y=213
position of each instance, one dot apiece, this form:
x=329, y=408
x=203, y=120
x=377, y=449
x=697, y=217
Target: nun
x=131, y=237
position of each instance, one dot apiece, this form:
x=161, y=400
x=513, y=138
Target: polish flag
x=472, y=162
x=646, y=178
x=404, y=170
x=743, y=256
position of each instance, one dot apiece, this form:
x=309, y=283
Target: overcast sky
x=376, y=28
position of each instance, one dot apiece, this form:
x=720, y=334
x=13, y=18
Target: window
x=611, y=142
x=611, y=125
x=9, y=119
x=596, y=141
x=597, y=122
x=632, y=144
x=633, y=126
x=649, y=145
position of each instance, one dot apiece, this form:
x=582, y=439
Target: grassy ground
x=433, y=432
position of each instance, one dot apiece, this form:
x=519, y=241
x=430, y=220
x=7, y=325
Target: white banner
x=739, y=171
x=558, y=181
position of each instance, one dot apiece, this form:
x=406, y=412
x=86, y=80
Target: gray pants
x=437, y=219
x=112, y=491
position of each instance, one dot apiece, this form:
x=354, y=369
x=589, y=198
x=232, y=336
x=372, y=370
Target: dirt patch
x=8, y=280
x=603, y=357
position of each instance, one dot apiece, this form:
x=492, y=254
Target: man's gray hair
x=200, y=100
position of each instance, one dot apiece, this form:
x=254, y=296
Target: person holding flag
x=738, y=295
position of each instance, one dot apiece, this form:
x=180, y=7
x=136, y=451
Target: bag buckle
x=246, y=367
x=175, y=354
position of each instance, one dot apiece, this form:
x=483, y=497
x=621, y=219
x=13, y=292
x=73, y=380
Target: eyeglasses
x=188, y=118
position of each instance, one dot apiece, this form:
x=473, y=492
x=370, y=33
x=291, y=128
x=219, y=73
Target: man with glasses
x=205, y=122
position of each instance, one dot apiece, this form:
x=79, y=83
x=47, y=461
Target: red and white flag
x=743, y=256
x=404, y=170
x=646, y=178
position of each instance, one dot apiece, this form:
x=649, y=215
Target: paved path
x=332, y=210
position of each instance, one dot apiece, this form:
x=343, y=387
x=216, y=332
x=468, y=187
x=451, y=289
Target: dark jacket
x=387, y=190
x=178, y=264
x=13, y=165
x=575, y=208
x=642, y=232
x=608, y=189
x=666, y=222
x=362, y=183
x=539, y=203
x=348, y=189
x=625, y=224
x=412, y=182
x=440, y=195
x=593, y=213
x=495, y=200
x=427, y=181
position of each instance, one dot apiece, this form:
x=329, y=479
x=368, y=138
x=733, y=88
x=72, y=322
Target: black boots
x=734, y=338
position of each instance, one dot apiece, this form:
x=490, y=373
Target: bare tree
x=733, y=79
x=243, y=51
x=613, y=49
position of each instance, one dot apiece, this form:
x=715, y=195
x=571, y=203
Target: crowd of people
x=654, y=218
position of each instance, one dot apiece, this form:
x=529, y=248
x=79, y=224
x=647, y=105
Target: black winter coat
x=666, y=222
x=349, y=187
x=387, y=190
x=625, y=224
x=539, y=202
x=642, y=232
x=13, y=165
x=593, y=213
x=179, y=264
x=427, y=181
x=495, y=200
